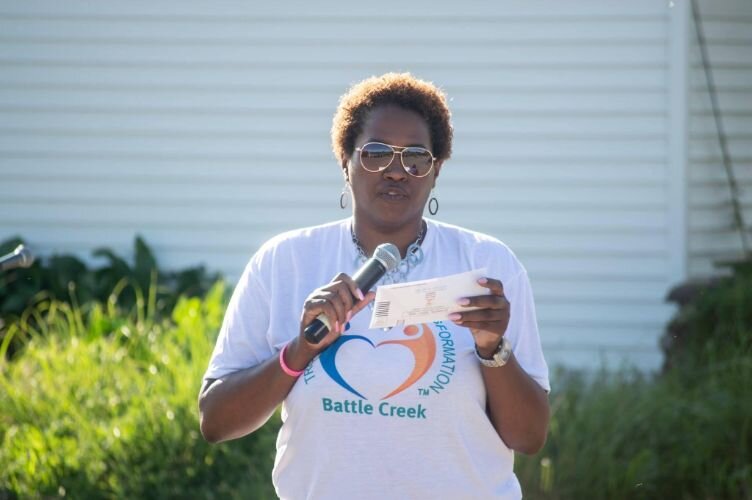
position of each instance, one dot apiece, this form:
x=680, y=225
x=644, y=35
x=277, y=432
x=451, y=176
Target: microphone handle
x=317, y=330
x=367, y=276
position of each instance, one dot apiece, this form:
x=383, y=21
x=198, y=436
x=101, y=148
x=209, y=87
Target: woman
x=422, y=411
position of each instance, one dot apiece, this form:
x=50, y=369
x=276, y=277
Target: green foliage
x=102, y=404
x=684, y=434
x=67, y=279
x=629, y=436
x=719, y=323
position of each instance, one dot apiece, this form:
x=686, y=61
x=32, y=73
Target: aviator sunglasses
x=377, y=156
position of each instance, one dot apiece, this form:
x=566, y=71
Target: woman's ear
x=346, y=170
x=437, y=170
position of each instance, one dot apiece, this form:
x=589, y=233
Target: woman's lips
x=393, y=194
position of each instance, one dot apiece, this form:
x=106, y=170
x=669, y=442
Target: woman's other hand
x=517, y=405
x=488, y=323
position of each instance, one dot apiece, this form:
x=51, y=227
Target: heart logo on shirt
x=422, y=348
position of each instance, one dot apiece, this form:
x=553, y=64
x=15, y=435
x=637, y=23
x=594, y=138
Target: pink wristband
x=285, y=368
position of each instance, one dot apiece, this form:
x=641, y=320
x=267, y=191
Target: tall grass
x=101, y=403
x=685, y=434
x=628, y=435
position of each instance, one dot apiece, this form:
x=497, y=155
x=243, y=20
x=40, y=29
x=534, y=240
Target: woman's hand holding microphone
x=338, y=301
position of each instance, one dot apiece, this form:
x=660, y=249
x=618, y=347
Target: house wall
x=712, y=235
x=204, y=128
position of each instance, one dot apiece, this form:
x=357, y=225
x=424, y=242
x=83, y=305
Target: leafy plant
x=67, y=279
x=716, y=325
x=101, y=403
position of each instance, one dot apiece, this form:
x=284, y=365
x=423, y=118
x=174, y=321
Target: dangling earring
x=344, y=197
x=433, y=204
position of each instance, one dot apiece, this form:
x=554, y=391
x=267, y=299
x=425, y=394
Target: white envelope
x=425, y=301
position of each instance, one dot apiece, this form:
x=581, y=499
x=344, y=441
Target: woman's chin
x=389, y=220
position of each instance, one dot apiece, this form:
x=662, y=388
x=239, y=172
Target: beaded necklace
x=413, y=257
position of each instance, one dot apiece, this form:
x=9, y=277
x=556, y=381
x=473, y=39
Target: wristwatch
x=499, y=358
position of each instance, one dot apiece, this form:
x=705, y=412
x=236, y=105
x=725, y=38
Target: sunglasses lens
x=417, y=161
x=375, y=156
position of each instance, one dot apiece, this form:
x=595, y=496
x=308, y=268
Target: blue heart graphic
x=327, y=361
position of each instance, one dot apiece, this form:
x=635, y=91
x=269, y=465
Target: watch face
x=506, y=350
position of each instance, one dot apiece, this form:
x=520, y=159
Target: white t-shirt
x=380, y=414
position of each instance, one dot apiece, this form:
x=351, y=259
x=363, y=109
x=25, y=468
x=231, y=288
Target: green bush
x=717, y=325
x=684, y=434
x=67, y=279
x=102, y=404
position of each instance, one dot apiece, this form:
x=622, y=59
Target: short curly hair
x=399, y=89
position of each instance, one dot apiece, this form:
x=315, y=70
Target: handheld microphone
x=385, y=258
x=20, y=257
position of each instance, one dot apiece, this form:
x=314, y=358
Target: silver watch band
x=500, y=357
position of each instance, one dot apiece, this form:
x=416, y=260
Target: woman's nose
x=395, y=170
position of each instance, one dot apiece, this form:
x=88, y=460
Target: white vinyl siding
x=205, y=128
x=713, y=236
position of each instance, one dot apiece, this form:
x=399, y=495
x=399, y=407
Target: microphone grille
x=388, y=254
x=27, y=258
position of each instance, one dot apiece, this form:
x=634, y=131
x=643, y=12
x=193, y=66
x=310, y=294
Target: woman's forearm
x=518, y=407
x=241, y=402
